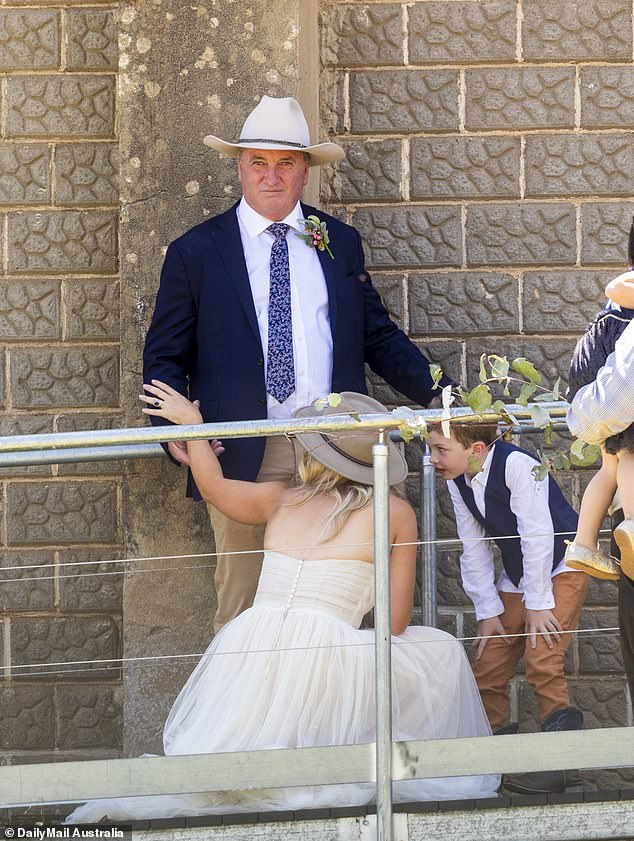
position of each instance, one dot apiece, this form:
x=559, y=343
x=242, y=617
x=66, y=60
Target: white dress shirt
x=312, y=337
x=606, y=406
x=529, y=503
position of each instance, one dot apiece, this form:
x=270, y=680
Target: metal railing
x=402, y=760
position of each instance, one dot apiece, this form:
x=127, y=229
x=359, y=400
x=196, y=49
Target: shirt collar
x=254, y=223
x=482, y=477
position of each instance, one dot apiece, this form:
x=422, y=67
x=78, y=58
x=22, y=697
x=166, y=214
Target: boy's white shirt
x=529, y=503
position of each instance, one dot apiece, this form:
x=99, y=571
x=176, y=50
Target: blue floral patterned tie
x=280, y=371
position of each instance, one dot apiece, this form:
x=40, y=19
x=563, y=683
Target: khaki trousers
x=544, y=666
x=237, y=575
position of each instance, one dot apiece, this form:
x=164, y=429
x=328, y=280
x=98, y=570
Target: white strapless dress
x=295, y=671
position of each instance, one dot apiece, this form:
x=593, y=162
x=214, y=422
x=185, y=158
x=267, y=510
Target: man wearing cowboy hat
x=255, y=320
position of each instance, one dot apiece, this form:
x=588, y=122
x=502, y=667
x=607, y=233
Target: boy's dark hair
x=468, y=433
x=630, y=248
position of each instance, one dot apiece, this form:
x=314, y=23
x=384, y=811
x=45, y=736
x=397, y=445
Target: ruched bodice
x=340, y=588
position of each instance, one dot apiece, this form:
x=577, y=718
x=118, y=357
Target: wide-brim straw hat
x=277, y=124
x=349, y=452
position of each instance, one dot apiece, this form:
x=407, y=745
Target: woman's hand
x=165, y=402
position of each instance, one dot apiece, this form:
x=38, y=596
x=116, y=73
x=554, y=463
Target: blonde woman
x=294, y=670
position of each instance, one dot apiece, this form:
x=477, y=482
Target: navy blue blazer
x=204, y=339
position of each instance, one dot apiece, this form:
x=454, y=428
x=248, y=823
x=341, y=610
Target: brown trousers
x=237, y=575
x=544, y=666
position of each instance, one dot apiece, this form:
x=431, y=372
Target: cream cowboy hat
x=349, y=452
x=277, y=124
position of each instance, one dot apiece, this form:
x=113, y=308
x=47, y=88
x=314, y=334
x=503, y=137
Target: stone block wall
x=490, y=169
x=59, y=371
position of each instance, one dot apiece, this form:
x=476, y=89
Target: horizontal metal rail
x=78, y=781
x=142, y=442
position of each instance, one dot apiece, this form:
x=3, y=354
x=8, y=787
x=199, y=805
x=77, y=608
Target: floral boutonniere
x=315, y=234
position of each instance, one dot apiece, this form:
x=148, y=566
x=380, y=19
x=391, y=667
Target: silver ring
x=157, y=404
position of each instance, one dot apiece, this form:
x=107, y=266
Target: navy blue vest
x=499, y=520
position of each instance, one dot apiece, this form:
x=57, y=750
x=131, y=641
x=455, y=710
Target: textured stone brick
x=65, y=377
x=550, y=356
x=462, y=31
x=445, y=520
x=38, y=642
x=465, y=167
x=29, y=310
x=607, y=97
x=2, y=384
x=27, y=720
x=91, y=39
x=369, y=171
x=462, y=303
x=600, y=652
x=603, y=702
x=410, y=236
x=92, y=309
x=26, y=580
x=447, y=622
x=62, y=512
x=64, y=240
x=604, y=233
x=89, y=582
x=363, y=34
x=404, y=100
x=557, y=30
x=579, y=165
x=450, y=590
x=60, y=105
x=87, y=173
x=602, y=592
x=89, y=716
x=21, y=424
x=332, y=101
x=82, y=422
x=24, y=177
x=521, y=98
x=29, y=39
x=521, y=234
x=562, y=301
x=390, y=288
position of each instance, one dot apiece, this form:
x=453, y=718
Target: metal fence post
x=428, y=600
x=382, y=625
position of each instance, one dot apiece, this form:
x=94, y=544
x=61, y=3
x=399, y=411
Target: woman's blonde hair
x=314, y=478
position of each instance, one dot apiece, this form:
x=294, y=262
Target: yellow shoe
x=624, y=536
x=593, y=562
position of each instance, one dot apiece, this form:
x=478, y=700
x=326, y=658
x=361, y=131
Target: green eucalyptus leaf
x=582, y=454
x=479, y=399
x=483, y=371
x=540, y=416
x=436, y=375
x=549, y=435
x=499, y=366
x=474, y=465
x=527, y=370
x=540, y=471
x=526, y=392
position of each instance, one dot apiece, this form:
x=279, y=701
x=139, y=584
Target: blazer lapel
x=226, y=234
x=329, y=267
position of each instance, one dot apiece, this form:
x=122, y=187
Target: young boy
x=496, y=497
